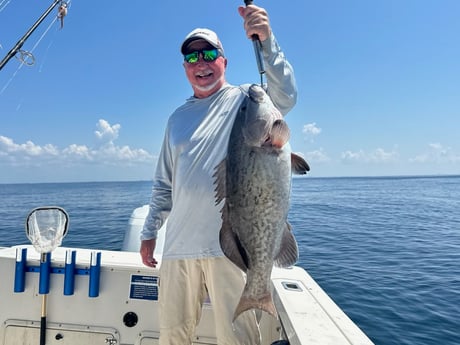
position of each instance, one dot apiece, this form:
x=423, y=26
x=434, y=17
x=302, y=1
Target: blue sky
x=379, y=84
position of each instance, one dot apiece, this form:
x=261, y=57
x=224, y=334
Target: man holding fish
x=192, y=184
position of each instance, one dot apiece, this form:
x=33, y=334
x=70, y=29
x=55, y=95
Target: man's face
x=206, y=77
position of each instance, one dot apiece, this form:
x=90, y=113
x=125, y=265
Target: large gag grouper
x=255, y=182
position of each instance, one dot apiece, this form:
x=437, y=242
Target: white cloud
x=379, y=155
x=311, y=130
x=106, y=132
x=350, y=157
x=318, y=156
x=79, y=152
x=9, y=148
x=108, y=153
x=437, y=153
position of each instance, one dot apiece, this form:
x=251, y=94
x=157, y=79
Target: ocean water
x=387, y=250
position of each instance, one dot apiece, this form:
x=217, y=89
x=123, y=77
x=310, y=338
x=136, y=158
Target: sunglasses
x=209, y=55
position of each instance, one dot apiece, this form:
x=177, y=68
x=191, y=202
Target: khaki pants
x=183, y=288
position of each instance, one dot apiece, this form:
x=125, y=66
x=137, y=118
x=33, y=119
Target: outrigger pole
x=18, y=45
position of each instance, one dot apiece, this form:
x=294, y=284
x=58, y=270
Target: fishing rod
x=257, y=50
x=20, y=43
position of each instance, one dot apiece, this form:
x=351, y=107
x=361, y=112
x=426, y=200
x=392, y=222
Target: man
x=193, y=264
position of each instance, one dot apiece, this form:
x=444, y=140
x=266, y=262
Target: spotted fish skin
x=254, y=180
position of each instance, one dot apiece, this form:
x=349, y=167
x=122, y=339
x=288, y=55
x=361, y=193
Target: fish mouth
x=267, y=141
x=273, y=142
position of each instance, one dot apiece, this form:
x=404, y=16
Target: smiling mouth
x=204, y=75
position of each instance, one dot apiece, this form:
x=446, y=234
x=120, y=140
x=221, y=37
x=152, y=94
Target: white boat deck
x=127, y=287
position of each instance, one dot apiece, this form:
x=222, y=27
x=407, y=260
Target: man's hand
x=256, y=21
x=146, y=251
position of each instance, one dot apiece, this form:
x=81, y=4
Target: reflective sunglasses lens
x=192, y=57
x=210, y=55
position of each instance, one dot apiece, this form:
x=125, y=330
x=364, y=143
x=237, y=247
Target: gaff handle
x=257, y=48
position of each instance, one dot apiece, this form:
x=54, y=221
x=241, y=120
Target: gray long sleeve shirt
x=195, y=142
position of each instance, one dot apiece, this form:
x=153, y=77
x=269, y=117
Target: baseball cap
x=205, y=34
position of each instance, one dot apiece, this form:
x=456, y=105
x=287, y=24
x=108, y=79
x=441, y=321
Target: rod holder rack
x=45, y=269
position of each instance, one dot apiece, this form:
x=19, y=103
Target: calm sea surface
x=387, y=250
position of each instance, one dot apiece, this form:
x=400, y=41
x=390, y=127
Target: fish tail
x=265, y=303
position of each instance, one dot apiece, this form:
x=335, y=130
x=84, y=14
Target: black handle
x=43, y=330
x=250, y=2
x=257, y=49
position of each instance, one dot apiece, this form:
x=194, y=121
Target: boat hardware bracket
x=110, y=341
x=69, y=270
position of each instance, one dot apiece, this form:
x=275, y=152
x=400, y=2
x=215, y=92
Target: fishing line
x=2, y=3
x=2, y=7
x=45, y=56
x=9, y=81
x=25, y=55
x=68, y=4
x=43, y=35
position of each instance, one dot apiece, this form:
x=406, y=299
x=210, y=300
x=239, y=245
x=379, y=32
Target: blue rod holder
x=94, y=274
x=45, y=270
x=20, y=270
x=69, y=272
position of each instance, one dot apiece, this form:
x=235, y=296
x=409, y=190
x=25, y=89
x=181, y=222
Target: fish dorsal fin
x=231, y=245
x=220, y=177
x=289, y=252
x=299, y=166
x=229, y=241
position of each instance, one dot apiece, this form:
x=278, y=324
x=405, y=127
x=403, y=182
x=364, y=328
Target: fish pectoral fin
x=232, y=248
x=289, y=252
x=280, y=133
x=299, y=166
